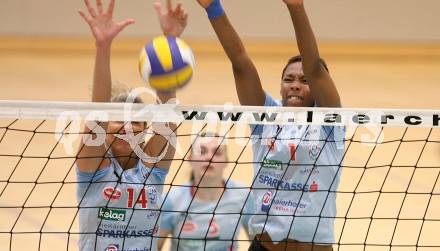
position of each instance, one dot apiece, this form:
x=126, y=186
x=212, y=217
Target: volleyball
x=166, y=63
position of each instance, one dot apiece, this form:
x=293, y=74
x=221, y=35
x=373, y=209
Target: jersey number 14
x=141, y=199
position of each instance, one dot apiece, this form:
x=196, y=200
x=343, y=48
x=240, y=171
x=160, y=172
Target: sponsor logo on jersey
x=272, y=164
x=115, y=247
x=214, y=229
x=314, y=150
x=112, y=247
x=265, y=202
x=289, y=206
x=152, y=194
x=111, y=233
x=152, y=214
x=191, y=243
x=111, y=193
x=189, y=226
x=111, y=214
x=283, y=185
x=308, y=170
x=314, y=187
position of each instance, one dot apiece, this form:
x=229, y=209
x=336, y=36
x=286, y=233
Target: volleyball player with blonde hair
x=296, y=168
x=119, y=194
x=208, y=212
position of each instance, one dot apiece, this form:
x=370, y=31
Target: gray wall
x=333, y=20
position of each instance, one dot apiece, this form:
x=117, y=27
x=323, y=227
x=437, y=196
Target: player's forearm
x=306, y=40
x=320, y=81
x=168, y=98
x=247, y=80
x=90, y=158
x=164, y=134
x=102, y=83
x=162, y=145
x=231, y=42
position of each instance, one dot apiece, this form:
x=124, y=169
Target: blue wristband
x=215, y=9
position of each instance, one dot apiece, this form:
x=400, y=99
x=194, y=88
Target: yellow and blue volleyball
x=166, y=63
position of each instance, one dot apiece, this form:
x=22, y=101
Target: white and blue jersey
x=119, y=210
x=196, y=225
x=296, y=174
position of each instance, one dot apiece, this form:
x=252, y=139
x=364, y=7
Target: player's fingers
x=111, y=7
x=178, y=10
x=90, y=8
x=158, y=8
x=185, y=16
x=99, y=6
x=86, y=18
x=125, y=23
x=169, y=5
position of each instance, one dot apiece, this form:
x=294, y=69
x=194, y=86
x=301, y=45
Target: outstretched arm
x=173, y=22
x=320, y=82
x=162, y=144
x=104, y=30
x=247, y=80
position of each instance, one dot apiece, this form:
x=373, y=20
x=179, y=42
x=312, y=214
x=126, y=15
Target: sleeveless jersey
x=119, y=210
x=296, y=174
x=196, y=225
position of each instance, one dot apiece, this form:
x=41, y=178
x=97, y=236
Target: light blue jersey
x=196, y=225
x=119, y=210
x=296, y=174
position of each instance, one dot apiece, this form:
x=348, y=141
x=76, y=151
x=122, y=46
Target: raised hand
x=104, y=29
x=172, y=20
x=205, y=3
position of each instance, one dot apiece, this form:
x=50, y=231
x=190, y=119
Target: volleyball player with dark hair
x=296, y=168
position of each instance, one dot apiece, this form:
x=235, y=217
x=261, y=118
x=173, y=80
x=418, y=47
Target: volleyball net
x=385, y=168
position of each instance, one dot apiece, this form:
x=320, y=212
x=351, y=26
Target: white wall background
x=333, y=20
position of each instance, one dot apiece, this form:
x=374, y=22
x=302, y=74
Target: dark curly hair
x=298, y=58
